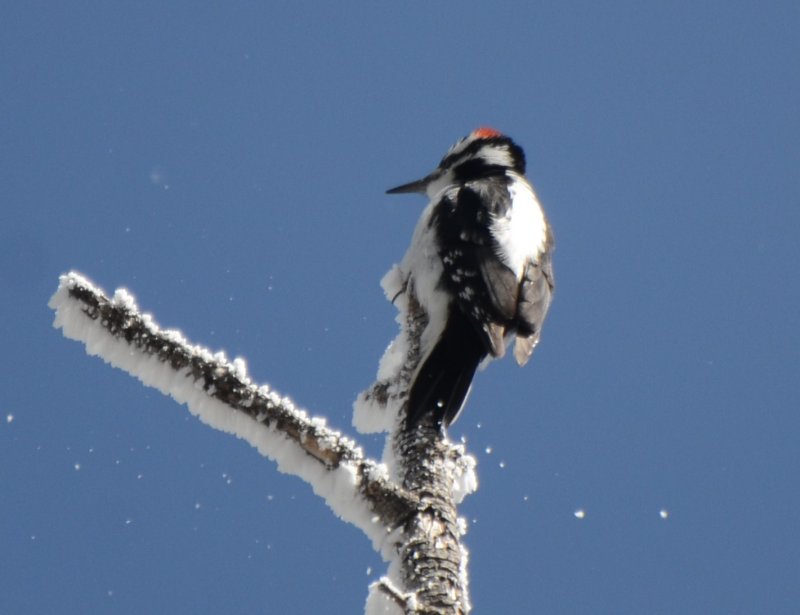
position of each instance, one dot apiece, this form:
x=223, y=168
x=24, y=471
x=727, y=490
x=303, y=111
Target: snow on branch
x=221, y=394
x=407, y=506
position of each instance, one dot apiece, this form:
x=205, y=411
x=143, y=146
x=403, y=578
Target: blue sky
x=227, y=163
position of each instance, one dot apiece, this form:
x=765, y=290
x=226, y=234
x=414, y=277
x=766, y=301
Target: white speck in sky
x=663, y=513
x=502, y=464
x=197, y=505
x=157, y=177
x=9, y=418
x=580, y=513
x=488, y=450
x=77, y=466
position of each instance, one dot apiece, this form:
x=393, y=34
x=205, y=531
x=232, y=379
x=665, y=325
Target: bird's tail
x=442, y=383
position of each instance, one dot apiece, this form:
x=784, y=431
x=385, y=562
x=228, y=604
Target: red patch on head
x=485, y=132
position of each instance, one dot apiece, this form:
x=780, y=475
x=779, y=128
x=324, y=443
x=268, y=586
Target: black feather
x=484, y=288
x=443, y=381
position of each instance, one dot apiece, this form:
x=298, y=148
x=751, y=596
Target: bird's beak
x=421, y=185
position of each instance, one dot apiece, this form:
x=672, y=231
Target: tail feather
x=442, y=383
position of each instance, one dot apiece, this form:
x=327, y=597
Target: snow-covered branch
x=433, y=560
x=406, y=505
x=222, y=395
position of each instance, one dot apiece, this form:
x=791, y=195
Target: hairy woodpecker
x=480, y=263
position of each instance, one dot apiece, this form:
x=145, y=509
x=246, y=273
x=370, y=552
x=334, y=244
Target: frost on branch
x=220, y=393
x=406, y=506
x=378, y=408
x=433, y=559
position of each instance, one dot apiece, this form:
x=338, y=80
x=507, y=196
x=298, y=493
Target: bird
x=480, y=261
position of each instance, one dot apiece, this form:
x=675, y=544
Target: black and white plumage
x=480, y=263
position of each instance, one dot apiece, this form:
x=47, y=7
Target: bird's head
x=483, y=153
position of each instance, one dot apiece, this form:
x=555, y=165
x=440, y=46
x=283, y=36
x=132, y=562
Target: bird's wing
x=535, y=293
x=485, y=289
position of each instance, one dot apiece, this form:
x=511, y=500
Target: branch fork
x=406, y=505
